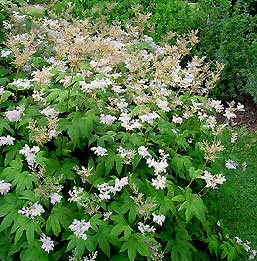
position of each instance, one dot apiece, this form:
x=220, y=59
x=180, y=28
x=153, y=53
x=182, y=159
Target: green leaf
x=104, y=245
x=194, y=205
x=119, y=164
x=53, y=224
x=109, y=162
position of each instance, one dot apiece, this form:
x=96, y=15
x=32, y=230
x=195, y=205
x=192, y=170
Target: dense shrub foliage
x=107, y=141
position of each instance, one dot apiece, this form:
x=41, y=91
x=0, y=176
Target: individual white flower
x=229, y=114
x=49, y=112
x=163, y=105
x=239, y=240
x=213, y=180
x=99, y=151
x=107, y=119
x=95, y=84
x=143, y=151
x=107, y=215
x=145, y=228
x=24, y=84
x=126, y=154
x=55, y=198
x=159, y=219
x=159, y=166
x=231, y=164
x=91, y=257
x=177, y=119
x=120, y=183
x=4, y=187
x=149, y=117
x=76, y=194
x=5, y=53
x=6, y=140
x=7, y=25
x=234, y=136
x=36, y=210
x=105, y=191
x=122, y=105
x=252, y=255
x=32, y=211
x=47, y=243
x=79, y=228
x=14, y=115
x=246, y=246
x=240, y=107
x=1, y=90
x=66, y=80
x=30, y=154
x=244, y=166
x=210, y=122
x=215, y=104
x=159, y=182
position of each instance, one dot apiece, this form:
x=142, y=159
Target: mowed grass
x=236, y=199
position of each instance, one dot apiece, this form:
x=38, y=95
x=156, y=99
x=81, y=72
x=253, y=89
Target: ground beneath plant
x=247, y=117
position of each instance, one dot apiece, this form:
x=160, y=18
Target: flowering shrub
x=106, y=142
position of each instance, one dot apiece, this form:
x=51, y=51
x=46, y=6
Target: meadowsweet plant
x=107, y=141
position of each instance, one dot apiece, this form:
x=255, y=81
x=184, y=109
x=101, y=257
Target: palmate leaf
x=60, y=217
x=33, y=252
x=193, y=206
x=14, y=174
x=181, y=247
x=81, y=126
x=135, y=244
x=24, y=224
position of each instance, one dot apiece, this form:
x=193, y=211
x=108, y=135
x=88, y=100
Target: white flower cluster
x=159, y=219
x=213, y=180
x=145, y=228
x=5, y=53
x=47, y=243
x=107, y=119
x=230, y=111
x=95, y=84
x=4, y=187
x=49, y=112
x=143, y=151
x=215, y=104
x=106, y=215
x=15, y=115
x=23, y=84
x=76, y=194
x=247, y=247
x=79, y=228
x=106, y=189
x=160, y=166
x=99, y=151
x=231, y=164
x=149, y=117
x=125, y=154
x=30, y=154
x=91, y=257
x=163, y=105
x=177, y=119
x=128, y=123
x=6, y=140
x=32, y=211
x=55, y=198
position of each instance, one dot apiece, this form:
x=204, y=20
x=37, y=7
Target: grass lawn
x=237, y=198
